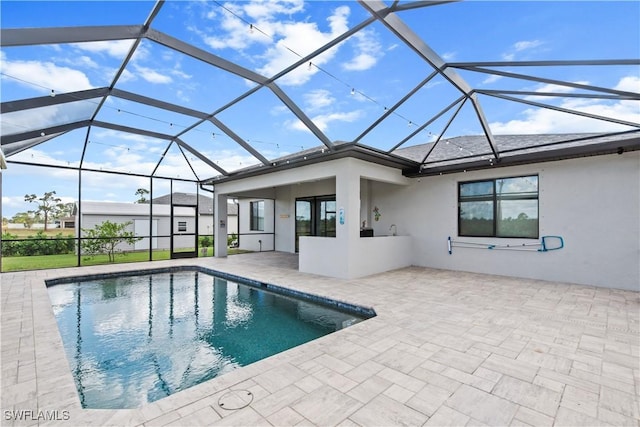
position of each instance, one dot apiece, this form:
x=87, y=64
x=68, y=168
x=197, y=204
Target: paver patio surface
x=446, y=348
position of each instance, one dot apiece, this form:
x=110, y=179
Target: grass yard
x=40, y=262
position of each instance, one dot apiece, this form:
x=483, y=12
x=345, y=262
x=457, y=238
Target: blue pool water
x=136, y=339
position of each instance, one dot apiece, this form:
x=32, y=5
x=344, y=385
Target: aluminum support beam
x=10, y=37
x=554, y=94
x=427, y=123
x=561, y=63
x=568, y=111
x=231, y=134
x=554, y=82
x=201, y=156
x=8, y=139
x=390, y=111
x=301, y=115
x=485, y=125
x=290, y=68
x=45, y=101
x=204, y=56
x=158, y=104
x=419, y=4
x=15, y=147
x=164, y=153
x=412, y=40
x=453, y=116
x=135, y=131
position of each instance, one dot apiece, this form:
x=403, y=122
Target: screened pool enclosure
x=128, y=102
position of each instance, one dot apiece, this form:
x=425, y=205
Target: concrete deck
x=447, y=348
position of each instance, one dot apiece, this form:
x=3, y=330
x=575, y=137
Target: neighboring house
x=582, y=188
x=205, y=209
x=66, y=222
x=91, y=214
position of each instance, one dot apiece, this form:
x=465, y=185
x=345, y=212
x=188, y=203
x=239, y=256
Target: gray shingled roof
x=461, y=148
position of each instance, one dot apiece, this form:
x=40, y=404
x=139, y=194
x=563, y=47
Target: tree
x=104, y=238
x=48, y=204
x=141, y=193
x=65, y=209
x=26, y=218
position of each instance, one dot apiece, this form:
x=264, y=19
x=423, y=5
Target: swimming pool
x=135, y=338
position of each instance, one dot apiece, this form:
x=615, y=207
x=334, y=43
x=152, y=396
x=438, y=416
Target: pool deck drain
x=235, y=399
x=523, y=352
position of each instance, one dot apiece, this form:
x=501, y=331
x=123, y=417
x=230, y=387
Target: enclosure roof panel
x=227, y=85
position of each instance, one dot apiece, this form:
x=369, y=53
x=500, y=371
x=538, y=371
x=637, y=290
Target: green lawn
x=70, y=260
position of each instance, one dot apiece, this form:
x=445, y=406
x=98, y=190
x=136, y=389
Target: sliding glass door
x=315, y=216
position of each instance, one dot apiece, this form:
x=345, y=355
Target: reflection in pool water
x=133, y=340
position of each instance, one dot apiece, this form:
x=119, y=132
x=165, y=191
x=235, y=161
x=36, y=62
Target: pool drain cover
x=235, y=399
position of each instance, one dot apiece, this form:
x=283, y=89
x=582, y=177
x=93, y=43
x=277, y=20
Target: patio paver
x=446, y=348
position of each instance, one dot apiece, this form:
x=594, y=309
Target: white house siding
x=593, y=203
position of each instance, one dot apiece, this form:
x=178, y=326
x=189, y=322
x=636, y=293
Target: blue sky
x=266, y=37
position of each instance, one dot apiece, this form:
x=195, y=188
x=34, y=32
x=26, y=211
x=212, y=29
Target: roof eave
x=613, y=147
x=346, y=151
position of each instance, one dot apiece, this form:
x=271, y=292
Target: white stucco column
x=220, y=225
x=348, y=207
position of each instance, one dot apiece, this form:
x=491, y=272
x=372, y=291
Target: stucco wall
x=254, y=240
x=286, y=208
x=593, y=203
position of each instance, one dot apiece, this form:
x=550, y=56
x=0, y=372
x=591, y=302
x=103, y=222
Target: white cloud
x=81, y=61
x=629, y=84
x=318, y=99
x=115, y=48
x=526, y=44
x=127, y=76
x=519, y=47
x=448, y=56
x=369, y=51
x=322, y=121
x=302, y=38
x=286, y=40
x=543, y=120
x=553, y=88
x=22, y=121
x=46, y=75
x=491, y=79
x=152, y=76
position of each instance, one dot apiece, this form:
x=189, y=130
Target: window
x=504, y=207
x=257, y=215
x=182, y=225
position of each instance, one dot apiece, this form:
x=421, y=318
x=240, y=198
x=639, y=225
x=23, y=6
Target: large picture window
x=257, y=216
x=504, y=207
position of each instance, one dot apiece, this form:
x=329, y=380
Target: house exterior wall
x=286, y=208
x=593, y=203
x=89, y=221
x=254, y=240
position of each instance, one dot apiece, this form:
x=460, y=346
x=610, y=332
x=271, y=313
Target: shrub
x=38, y=244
